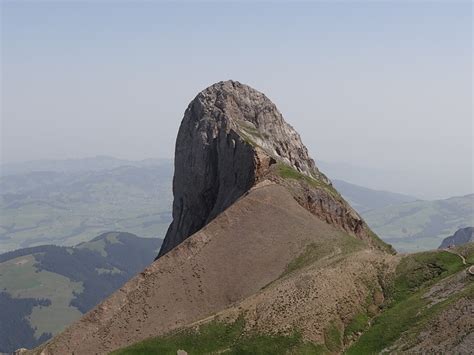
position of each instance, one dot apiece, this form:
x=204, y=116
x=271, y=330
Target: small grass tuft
x=358, y=324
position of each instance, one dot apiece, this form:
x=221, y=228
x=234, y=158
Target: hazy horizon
x=383, y=86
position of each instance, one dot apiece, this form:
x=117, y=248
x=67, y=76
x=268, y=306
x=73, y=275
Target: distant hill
x=65, y=208
x=72, y=204
x=364, y=199
x=97, y=163
x=421, y=225
x=45, y=288
x=461, y=237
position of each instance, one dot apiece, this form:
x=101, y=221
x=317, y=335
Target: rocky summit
x=231, y=138
x=460, y=237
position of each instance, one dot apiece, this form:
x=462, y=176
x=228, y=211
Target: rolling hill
x=421, y=225
x=78, y=199
x=45, y=288
x=364, y=199
x=69, y=207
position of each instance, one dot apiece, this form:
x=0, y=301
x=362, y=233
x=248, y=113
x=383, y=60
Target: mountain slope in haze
x=250, y=209
x=70, y=166
x=421, y=225
x=45, y=288
x=136, y=197
x=364, y=199
x=66, y=208
x=460, y=237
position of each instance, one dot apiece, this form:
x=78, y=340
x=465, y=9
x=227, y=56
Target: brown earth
x=329, y=291
x=451, y=332
x=236, y=255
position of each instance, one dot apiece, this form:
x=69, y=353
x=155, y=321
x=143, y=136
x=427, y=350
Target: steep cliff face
x=232, y=137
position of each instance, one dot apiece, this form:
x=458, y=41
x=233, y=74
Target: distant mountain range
x=45, y=288
x=68, y=201
x=67, y=207
x=409, y=224
x=97, y=163
x=421, y=225
x=364, y=199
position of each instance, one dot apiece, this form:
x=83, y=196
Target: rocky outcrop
x=462, y=236
x=230, y=138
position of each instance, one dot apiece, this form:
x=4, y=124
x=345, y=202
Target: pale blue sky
x=379, y=84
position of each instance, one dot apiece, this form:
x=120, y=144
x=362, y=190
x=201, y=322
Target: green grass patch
x=358, y=324
x=422, y=269
x=333, y=338
x=288, y=172
x=217, y=337
x=408, y=309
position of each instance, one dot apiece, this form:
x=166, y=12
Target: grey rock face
x=228, y=131
x=462, y=236
x=230, y=138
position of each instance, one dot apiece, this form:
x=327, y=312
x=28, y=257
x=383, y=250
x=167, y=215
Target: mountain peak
x=256, y=119
x=232, y=137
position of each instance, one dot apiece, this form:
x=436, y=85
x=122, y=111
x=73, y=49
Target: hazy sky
x=384, y=85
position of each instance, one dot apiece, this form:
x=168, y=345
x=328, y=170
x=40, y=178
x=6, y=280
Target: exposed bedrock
x=231, y=137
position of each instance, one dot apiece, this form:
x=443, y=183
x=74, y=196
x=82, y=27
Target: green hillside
x=66, y=208
x=45, y=288
x=421, y=225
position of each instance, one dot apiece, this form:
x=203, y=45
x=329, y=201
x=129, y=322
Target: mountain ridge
x=246, y=202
